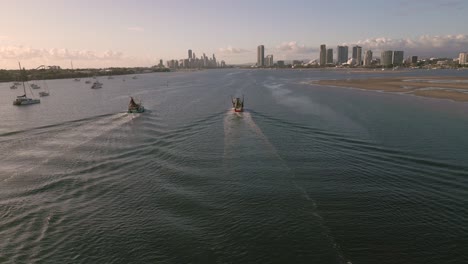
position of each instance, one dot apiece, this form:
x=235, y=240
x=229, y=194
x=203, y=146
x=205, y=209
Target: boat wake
x=36, y=147
x=232, y=137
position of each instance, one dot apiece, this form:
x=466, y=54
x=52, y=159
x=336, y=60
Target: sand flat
x=453, y=88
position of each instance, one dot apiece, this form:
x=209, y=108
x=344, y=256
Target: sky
x=122, y=33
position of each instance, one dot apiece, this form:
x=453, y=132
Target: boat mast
x=22, y=78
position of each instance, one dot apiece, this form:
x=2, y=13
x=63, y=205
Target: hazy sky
x=103, y=33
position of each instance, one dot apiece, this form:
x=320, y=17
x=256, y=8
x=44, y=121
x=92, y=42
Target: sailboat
x=76, y=79
x=13, y=86
x=23, y=99
x=45, y=92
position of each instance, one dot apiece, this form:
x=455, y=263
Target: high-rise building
x=386, y=58
x=269, y=61
x=189, y=53
x=280, y=63
x=463, y=58
x=414, y=59
x=261, y=56
x=323, y=55
x=329, y=56
x=368, y=58
x=357, y=55
x=342, y=55
x=397, y=58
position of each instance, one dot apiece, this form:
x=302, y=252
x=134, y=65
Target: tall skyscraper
x=189, y=53
x=329, y=56
x=261, y=56
x=269, y=61
x=463, y=58
x=323, y=55
x=342, y=55
x=368, y=58
x=386, y=58
x=357, y=54
x=397, y=58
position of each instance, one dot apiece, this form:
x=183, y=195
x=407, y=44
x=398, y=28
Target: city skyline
x=124, y=33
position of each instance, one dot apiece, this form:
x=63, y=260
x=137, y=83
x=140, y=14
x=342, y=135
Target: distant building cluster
x=192, y=62
x=388, y=58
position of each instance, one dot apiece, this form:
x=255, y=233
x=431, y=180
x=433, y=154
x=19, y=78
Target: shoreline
x=452, y=88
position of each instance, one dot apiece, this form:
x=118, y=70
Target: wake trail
x=251, y=123
x=36, y=152
x=229, y=137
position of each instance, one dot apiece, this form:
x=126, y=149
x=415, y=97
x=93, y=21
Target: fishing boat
x=134, y=107
x=24, y=99
x=238, y=104
x=96, y=85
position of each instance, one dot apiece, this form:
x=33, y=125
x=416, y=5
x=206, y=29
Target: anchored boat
x=23, y=99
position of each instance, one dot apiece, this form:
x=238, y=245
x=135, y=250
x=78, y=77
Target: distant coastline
x=452, y=88
x=49, y=74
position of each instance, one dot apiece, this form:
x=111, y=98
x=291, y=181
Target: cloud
x=294, y=47
x=426, y=45
x=21, y=52
x=231, y=50
x=134, y=28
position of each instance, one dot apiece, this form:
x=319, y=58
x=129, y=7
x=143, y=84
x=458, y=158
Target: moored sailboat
x=24, y=99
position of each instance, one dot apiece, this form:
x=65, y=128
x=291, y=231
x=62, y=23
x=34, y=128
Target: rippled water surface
x=307, y=174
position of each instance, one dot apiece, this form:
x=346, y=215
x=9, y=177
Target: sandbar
x=453, y=88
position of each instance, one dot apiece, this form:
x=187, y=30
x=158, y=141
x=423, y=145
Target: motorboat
x=238, y=104
x=96, y=85
x=134, y=107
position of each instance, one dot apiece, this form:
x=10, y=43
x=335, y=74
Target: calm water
x=307, y=174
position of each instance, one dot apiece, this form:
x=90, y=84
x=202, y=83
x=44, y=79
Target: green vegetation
x=41, y=74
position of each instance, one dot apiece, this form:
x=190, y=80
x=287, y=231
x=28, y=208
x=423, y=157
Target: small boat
x=88, y=81
x=13, y=87
x=110, y=77
x=134, y=77
x=43, y=93
x=77, y=80
x=96, y=85
x=23, y=99
x=35, y=86
x=238, y=104
x=134, y=107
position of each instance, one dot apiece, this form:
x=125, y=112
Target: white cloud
x=231, y=50
x=294, y=47
x=426, y=45
x=135, y=28
x=21, y=52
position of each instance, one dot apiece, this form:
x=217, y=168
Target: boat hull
x=238, y=110
x=140, y=109
x=26, y=102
